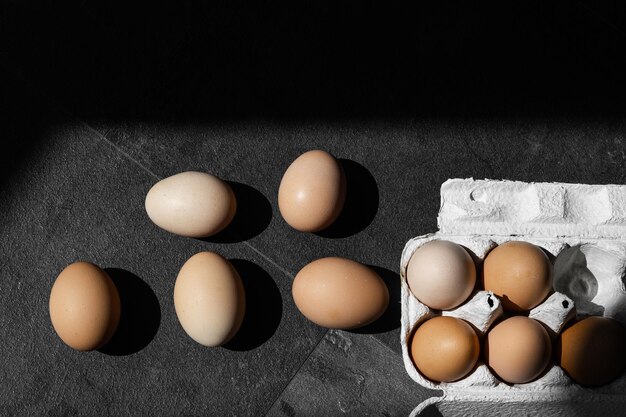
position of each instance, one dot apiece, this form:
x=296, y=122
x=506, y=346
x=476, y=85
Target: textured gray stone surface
x=352, y=375
x=96, y=105
x=80, y=199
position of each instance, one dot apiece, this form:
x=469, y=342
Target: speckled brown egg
x=518, y=350
x=591, y=351
x=339, y=293
x=445, y=349
x=441, y=274
x=193, y=204
x=209, y=299
x=84, y=306
x=520, y=273
x=312, y=191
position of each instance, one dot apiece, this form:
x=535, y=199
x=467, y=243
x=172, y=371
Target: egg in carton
x=583, y=230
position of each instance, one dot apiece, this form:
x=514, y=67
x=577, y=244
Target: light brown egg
x=84, y=306
x=445, y=349
x=591, y=351
x=441, y=274
x=312, y=191
x=518, y=350
x=520, y=273
x=193, y=204
x=209, y=299
x=339, y=293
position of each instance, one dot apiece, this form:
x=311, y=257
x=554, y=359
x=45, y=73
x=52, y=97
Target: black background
x=100, y=100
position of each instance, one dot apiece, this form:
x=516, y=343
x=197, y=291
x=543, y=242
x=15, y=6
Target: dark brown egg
x=592, y=350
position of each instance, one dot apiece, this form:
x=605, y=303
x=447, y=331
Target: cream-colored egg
x=441, y=274
x=84, y=306
x=209, y=299
x=312, y=191
x=339, y=293
x=193, y=204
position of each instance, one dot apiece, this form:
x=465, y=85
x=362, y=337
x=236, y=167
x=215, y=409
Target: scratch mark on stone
x=59, y=386
x=340, y=340
x=360, y=381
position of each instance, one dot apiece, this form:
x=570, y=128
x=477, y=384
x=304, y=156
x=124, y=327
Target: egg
x=339, y=293
x=312, y=191
x=520, y=273
x=591, y=351
x=84, y=306
x=193, y=204
x=445, y=349
x=441, y=274
x=518, y=350
x=209, y=299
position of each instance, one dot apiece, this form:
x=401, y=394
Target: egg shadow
x=390, y=319
x=361, y=205
x=264, y=307
x=140, y=318
x=254, y=213
x=549, y=254
x=431, y=411
x=478, y=264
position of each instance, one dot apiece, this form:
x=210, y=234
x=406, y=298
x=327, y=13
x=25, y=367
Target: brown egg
x=518, y=350
x=84, y=306
x=591, y=351
x=441, y=274
x=339, y=293
x=209, y=299
x=520, y=273
x=193, y=204
x=312, y=191
x=445, y=349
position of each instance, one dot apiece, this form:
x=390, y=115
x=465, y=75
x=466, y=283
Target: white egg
x=193, y=204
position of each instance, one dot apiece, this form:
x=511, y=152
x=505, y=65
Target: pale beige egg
x=339, y=293
x=209, y=299
x=312, y=191
x=445, y=349
x=84, y=306
x=193, y=204
x=441, y=274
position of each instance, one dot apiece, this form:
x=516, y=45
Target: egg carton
x=582, y=228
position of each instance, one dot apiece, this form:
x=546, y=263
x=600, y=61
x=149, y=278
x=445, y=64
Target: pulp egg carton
x=583, y=230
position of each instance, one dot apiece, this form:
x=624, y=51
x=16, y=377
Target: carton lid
x=501, y=207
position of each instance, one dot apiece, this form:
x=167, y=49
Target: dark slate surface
x=80, y=199
x=350, y=375
x=404, y=160
x=97, y=104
